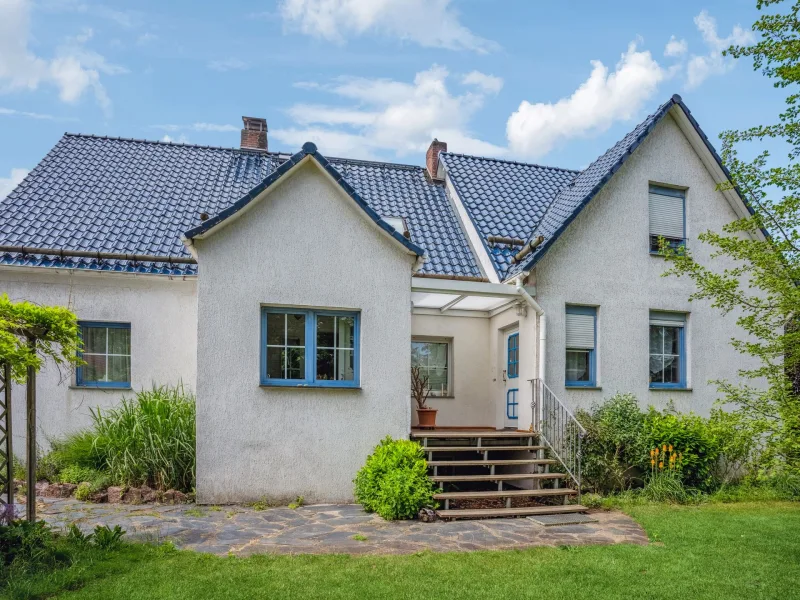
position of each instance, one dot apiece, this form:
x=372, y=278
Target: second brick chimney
x=254, y=134
x=432, y=158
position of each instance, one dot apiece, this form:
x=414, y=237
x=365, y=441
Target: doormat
x=565, y=519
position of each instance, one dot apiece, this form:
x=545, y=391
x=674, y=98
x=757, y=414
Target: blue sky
x=549, y=82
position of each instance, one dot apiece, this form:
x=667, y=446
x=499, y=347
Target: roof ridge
x=375, y=162
x=513, y=162
x=179, y=144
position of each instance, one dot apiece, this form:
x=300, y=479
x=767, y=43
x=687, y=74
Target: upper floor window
x=667, y=349
x=433, y=360
x=309, y=347
x=667, y=216
x=581, y=346
x=107, y=354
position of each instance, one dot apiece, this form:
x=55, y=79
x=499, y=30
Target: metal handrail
x=558, y=429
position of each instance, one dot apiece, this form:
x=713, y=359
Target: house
x=294, y=292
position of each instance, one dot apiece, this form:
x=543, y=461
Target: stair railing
x=558, y=429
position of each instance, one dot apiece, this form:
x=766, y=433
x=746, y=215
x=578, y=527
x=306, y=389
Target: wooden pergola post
x=6, y=449
x=30, y=509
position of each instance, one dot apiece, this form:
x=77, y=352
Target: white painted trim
x=451, y=304
x=436, y=312
x=431, y=285
x=474, y=239
x=710, y=162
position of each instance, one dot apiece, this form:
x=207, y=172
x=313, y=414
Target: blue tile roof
x=571, y=200
x=504, y=198
x=138, y=197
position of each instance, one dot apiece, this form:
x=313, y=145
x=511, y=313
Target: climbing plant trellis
x=6, y=450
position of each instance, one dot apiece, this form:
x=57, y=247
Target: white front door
x=511, y=379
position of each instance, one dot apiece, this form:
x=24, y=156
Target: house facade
x=294, y=292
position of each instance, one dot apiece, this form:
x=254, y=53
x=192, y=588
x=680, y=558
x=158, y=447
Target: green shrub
x=82, y=449
x=76, y=474
x=614, y=448
x=394, y=481
x=106, y=538
x=591, y=500
x=666, y=486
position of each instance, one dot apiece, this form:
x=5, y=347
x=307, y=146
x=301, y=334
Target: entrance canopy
x=438, y=296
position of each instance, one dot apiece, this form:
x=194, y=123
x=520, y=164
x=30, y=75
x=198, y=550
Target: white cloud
x=181, y=139
x=146, y=38
x=7, y=184
x=676, y=47
x=229, y=64
x=601, y=100
x=429, y=23
x=388, y=115
x=11, y=112
x=702, y=67
x=488, y=83
x=215, y=127
x=74, y=70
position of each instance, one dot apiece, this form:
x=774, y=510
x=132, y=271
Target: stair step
x=505, y=494
x=418, y=434
x=498, y=477
x=480, y=448
x=478, y=513
x=490, y=462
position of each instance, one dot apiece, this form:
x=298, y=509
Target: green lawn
x=742, y=550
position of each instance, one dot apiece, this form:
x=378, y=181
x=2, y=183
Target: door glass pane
x=295, y=330
x=345, y=370
x=577, y=365
x=94, y=340
x=325, y=333
x=119, y=341
x=276, y=335
x=346, y=329
x=325, y=367
x=119, y=369
x=275, y=363
x=95, y=367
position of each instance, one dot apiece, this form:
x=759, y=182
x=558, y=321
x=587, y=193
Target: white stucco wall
x=471, y=404
x=602, y=259
x=163, y=317
x=303, y=244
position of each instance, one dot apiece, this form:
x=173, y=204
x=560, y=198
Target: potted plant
x=420, y=390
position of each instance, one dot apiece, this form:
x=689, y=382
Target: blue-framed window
x=513, y=356
x=581, y=334
x=433, y=359
x=512, y=404
x=667, y=217
x=107, y=354
x=667, y=349
x=302, y=347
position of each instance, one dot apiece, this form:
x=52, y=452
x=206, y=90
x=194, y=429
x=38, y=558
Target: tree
x=764, y=286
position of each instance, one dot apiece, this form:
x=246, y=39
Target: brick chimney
x=432, y=158
x=254, y=133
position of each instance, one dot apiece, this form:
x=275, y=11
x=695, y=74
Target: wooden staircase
x=485, y=474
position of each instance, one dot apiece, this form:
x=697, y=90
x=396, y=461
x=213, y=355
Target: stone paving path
x=320, y=529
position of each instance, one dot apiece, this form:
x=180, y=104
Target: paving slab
x=326, y=529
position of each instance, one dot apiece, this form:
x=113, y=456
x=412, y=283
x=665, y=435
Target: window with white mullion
x=106, y=354
x=286, y=344
x=335, y=347
x=432, y=358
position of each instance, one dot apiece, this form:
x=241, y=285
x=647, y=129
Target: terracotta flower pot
x=427, y=417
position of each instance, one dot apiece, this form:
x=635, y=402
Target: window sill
x=670, y=389
x=273, y=386
x=113, y=388
x=582, y=387
x=441, y=397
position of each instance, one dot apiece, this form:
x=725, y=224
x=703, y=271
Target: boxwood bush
x=394, y=481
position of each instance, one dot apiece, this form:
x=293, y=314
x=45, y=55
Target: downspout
x=541, y=328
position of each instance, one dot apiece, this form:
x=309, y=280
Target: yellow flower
x=656, y=451
x=670, y=447
x=664, y=448
x=652, y=462
x=661, y=465
x=651, y=453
